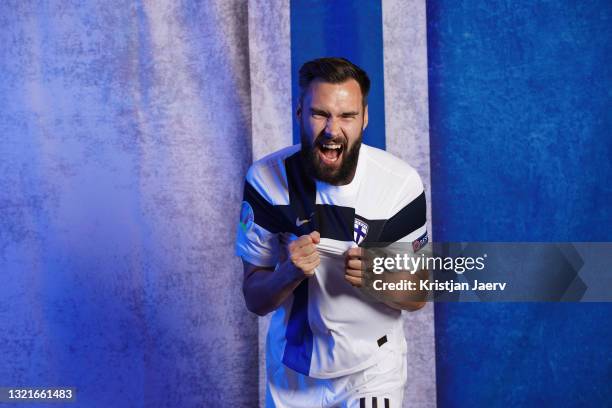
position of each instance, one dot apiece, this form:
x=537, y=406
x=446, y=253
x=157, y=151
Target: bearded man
x=307, y=212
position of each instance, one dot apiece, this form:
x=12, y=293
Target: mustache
x=322, y=139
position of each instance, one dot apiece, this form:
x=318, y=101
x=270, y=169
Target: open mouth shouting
x=330, y=153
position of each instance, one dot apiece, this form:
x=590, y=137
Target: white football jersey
x=327, y=328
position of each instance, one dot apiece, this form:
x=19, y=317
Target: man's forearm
x=266, y=289
x=407, y=305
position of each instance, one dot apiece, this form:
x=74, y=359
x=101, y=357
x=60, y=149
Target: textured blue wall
x=520, y=150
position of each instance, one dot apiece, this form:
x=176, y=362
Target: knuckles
x=355, y=252
x=303, y=255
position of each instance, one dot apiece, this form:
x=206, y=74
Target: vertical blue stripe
x=342, y=28
x=298, y=335
x=520, y=150
x=298, y=349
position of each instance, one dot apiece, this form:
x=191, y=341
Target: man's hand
x=354, y=266
x=356, y=262
x=303, y=253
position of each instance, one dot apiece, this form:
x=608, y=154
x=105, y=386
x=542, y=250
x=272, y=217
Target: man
x=307, y=210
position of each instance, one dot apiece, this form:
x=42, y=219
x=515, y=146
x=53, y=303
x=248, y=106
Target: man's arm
x=406, y=300
x=401, y=300
x=266, y=288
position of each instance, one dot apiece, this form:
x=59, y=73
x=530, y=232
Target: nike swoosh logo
x=299, y=223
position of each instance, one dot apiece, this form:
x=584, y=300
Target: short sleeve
x=408, y=222
x=257, y=238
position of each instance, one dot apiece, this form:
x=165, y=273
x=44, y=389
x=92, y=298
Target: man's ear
x=298, y=111
x=365, y=117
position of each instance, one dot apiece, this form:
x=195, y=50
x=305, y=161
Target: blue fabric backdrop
x=348, y=29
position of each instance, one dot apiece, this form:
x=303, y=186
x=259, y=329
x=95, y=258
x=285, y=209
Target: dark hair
x=335, y=71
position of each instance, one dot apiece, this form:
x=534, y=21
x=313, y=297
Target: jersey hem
x=367, y=363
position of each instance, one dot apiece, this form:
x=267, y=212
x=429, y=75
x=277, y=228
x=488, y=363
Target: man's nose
x=332, y=128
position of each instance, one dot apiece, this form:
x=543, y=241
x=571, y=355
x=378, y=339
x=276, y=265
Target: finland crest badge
x=360, y=231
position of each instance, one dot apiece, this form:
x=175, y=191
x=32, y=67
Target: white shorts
x=379, y=386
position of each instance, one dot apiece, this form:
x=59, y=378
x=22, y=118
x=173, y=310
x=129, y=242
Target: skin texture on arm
x=404, y=300
x=266, y=288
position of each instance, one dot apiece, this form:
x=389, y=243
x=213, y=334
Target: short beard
x=315, y=168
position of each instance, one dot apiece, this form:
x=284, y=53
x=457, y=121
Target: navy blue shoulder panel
x=266, y=215
x=407, y=220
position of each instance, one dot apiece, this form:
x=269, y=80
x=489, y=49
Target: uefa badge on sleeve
x=360, y=231
x=420, y=242
x=246, y=216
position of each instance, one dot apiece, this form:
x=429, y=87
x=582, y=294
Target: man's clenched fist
x=355, y=259
x=303, y=253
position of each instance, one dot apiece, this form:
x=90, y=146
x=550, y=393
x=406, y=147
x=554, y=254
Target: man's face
x=332, y=119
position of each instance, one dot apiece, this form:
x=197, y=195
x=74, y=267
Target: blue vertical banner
x=520, y=151
x=346, y=28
